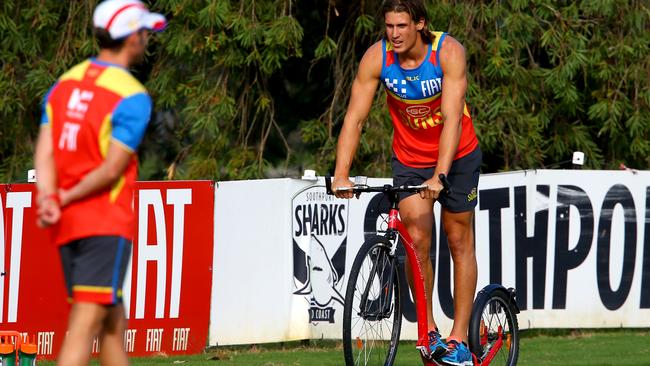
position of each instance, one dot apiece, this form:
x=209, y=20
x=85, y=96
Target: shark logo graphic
x=322, y=277
x=319, y=245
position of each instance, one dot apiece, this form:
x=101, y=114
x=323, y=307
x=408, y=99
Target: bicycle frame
x=394, y=224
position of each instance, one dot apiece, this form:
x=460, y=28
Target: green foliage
x=26, y=34
x=545, y=79
x=326, y=48
x=553, y=77
x=259, y=88
x=212, y=69
x=364, y=25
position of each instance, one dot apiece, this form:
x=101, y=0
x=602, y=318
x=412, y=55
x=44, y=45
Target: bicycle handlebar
x=387, y=188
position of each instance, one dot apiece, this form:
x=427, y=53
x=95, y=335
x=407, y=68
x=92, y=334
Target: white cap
x=123, y=17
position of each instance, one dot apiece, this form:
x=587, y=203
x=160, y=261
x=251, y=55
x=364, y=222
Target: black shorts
x=463, y=178
x=94, y=268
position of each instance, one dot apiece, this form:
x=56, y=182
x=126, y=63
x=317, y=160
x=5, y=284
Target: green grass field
x=593, y=348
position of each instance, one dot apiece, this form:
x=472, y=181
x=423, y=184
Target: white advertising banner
x=573, y=243
x=252, y=265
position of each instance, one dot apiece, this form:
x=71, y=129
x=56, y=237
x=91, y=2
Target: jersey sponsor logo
x=78, y=103
x=319, y=245
x=429, y=120
x=418, y=111
x=68, y=138
x=431, y=87
x=397, y=86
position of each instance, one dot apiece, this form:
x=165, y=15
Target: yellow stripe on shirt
x=49, y=113
x=117, y=189
x=77, y=72
x=105, y=141
x=104, y=135
x=120, y=82
x=413, y=101
x=436, y=41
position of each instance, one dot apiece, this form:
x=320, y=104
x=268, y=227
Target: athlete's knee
x=87, y=317
x=113, y=326
x=424, y=256
x=460, y=244
x=422, y=243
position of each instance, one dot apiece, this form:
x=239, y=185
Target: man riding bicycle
x=424, y=75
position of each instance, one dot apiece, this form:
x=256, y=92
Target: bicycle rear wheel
x=372, y=315
x=494, y=324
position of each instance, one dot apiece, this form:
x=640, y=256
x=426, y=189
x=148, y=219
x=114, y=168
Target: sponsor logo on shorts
x=472, y=195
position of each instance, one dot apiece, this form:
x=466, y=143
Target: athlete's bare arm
x=363, y=92
x=44, y=162
x=105, y=175
x=454, y=86
x=452, y=61
x=48, y=210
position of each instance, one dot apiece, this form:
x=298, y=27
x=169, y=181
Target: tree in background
x=257, y=88
x=545, y=78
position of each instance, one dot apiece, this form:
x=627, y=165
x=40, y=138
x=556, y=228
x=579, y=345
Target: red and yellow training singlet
x=414, y=100
x=91, y=105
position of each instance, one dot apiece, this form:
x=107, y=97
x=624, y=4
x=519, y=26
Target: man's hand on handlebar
x=434, y=187
x=342, y=182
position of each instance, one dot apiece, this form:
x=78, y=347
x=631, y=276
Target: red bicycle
x=372, y=315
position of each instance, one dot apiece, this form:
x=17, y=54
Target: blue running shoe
x=437, y=347
x=457, y=354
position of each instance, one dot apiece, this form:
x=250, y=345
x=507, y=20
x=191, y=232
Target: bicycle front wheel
x=493, y=328
x=372, y=315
